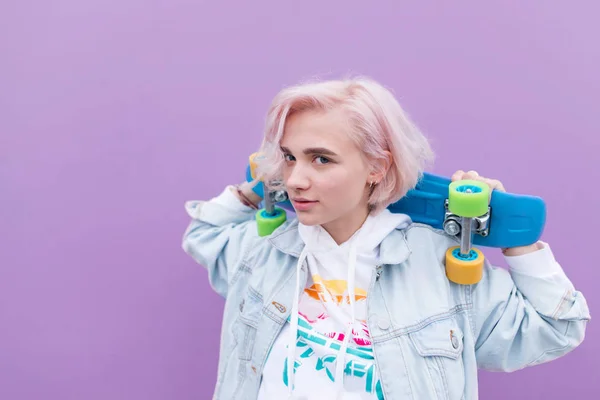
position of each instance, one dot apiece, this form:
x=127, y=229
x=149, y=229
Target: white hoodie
x=328, y=319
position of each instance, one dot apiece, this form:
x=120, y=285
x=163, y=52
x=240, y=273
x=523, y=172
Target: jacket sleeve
x=528, y=315
x=220, y=235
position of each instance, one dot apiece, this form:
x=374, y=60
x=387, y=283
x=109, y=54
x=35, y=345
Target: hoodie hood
x=367, y=238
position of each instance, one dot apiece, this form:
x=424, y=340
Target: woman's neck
x=343, y=228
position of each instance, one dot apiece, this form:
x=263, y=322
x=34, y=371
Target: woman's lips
x=303, y=205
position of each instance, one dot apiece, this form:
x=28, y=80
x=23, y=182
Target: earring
x=371, y=184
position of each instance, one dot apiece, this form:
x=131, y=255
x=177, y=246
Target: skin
x=324, y=166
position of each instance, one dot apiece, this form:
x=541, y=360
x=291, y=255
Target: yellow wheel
x=253, y=159
x=464, y=269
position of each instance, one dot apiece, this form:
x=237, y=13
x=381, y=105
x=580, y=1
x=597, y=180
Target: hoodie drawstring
x=348, y=335
x=291, y=358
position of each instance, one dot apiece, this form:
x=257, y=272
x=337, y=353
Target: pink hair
x=378, y=124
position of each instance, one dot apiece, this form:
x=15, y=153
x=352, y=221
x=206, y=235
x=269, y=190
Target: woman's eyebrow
x=313, y=150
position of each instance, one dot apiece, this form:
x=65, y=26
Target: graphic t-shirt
x=325, y=313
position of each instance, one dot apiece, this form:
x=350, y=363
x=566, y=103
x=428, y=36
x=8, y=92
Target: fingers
x=458, y=175
x=471, y=175
x=255, y=182
x=494, y=184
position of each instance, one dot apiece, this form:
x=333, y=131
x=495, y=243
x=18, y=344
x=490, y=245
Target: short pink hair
x=378, y=124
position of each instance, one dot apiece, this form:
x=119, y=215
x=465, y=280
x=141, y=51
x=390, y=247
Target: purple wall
x=113, y=113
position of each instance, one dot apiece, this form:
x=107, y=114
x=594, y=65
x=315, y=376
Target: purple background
x=113, y=113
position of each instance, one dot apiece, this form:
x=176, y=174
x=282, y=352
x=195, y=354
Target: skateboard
x=463, y=209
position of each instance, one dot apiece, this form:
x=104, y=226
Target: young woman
x=349, y=300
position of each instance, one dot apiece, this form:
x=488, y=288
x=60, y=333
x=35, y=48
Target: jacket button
x=383, y=324
x=454, y=340
x=280, y=307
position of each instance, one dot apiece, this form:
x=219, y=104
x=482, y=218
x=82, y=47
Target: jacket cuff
x=540, y=263
x=229, y=200
x=220, y=210
x=541, y=279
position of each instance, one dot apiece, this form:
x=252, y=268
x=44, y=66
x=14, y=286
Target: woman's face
x=326, y=174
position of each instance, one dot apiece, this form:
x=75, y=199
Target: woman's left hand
x=495, y=184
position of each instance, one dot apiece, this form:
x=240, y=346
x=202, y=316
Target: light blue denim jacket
x=429, y=335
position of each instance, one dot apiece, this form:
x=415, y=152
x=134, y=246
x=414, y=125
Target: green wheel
x=266, y=223
x=468, y=198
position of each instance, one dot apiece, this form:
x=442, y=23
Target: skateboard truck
x=467, y=212
x=454, y=225
x=273, y=197
x=269, y=217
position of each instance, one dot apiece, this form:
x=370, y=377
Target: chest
x=415, y=317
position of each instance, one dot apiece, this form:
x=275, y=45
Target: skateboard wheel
x=253, y=160
x=266, y=224
x=464, y=269
x=468, y=198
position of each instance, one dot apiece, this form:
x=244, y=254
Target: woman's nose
x=298, y=178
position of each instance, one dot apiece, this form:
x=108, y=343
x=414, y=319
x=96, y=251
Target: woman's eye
x=288, y=157
x=322, y=160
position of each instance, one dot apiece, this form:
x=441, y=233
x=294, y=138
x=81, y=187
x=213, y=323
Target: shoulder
x=270, y=251
x=419, y=239
x=424, y=235
x=268, y=261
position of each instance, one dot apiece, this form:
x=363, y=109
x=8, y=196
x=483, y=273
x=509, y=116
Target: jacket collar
x=394, y=248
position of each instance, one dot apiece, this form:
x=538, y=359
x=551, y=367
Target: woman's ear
x=380, y=168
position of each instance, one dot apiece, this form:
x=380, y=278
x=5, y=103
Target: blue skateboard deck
x=515, y=219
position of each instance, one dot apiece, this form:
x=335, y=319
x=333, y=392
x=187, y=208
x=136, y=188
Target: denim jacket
x=429, y=335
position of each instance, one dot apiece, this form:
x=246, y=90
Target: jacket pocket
x=439, y=345
x=246, y=324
